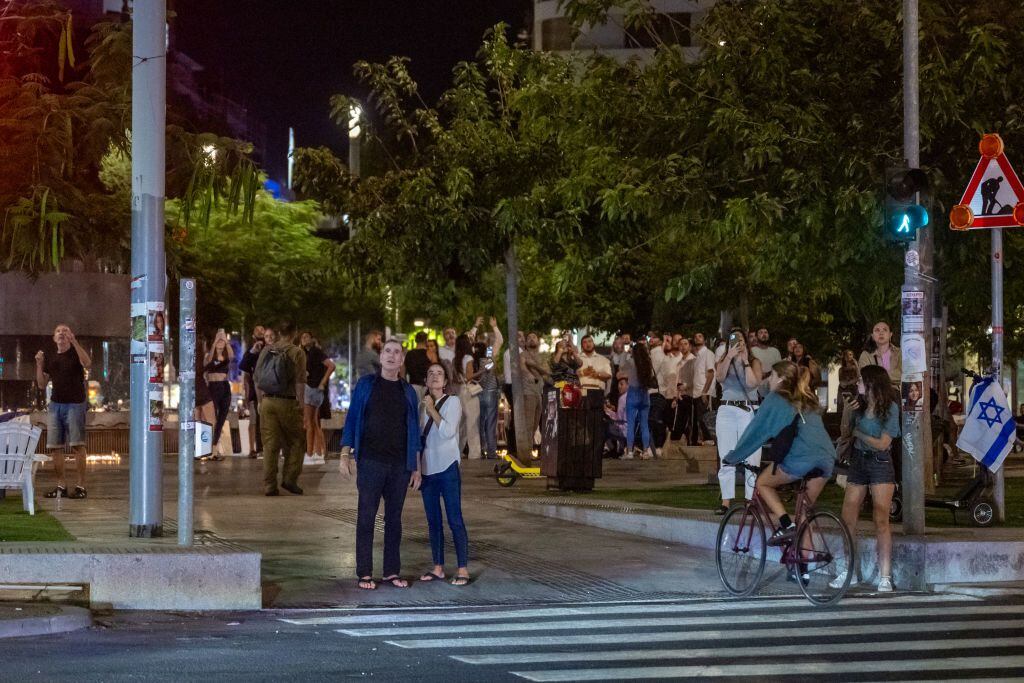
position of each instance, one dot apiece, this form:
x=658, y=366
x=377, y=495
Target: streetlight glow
x=355, y=116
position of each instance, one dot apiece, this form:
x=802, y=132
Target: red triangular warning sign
x=992, y=194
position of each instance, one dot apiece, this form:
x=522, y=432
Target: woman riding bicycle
x=792, y=401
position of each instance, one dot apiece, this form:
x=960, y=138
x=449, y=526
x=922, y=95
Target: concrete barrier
x=151, y=577
x=940, y=557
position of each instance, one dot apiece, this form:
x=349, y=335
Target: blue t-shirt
x=875, y=427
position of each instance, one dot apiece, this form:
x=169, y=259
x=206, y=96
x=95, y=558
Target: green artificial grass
x=706, y=497
x=17, y=525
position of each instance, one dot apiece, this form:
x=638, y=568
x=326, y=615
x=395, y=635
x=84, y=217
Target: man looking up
x=382, y=429
x=66, y=412
x=281, y=387
x=596, y=370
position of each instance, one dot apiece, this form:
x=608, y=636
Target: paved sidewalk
x=35, y=619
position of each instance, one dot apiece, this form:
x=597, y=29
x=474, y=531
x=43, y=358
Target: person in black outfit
x=66, y=424
x=217, y=365
x=319, y=369
x=416, y=364
x=382, y=428
x=247, y=366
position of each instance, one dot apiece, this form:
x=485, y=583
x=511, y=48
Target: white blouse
x=442, y=446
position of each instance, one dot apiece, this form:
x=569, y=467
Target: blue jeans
x=638, y=410
x=489, y=422
x=446, y=485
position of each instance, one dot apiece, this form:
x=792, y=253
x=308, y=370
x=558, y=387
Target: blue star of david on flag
x=984, y=407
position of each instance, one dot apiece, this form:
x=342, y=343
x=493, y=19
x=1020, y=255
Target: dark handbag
x=777, y=448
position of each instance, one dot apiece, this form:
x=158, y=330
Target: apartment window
x=555, y=34
x=671, y=28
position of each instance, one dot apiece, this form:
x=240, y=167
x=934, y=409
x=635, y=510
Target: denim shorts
x=313, y=396
x=65, y=425
x=871, y=467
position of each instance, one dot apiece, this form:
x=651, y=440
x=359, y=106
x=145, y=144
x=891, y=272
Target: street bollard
x=186, y=408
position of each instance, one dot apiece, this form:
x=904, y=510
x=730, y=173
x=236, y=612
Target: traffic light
x=906, y=201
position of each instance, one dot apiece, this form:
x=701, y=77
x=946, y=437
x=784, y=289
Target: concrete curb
x=69, y=619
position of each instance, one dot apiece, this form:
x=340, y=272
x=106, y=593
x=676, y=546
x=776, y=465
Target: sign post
x=993, y=200
x=186, y=408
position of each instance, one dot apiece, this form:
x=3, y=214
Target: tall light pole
x=355, y=132
x=149, y=115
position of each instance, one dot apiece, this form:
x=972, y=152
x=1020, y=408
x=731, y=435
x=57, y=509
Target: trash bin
x=572, y=441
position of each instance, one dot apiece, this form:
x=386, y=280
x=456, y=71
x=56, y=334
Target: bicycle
x=821, y=550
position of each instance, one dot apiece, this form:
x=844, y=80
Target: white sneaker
x=310, y=460
x=658, y=452
x=628, y=455
x=841, y=579
x=885, y=585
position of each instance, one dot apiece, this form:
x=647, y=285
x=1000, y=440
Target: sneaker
x=885, y=585
x=658, y=452
x=628, y=455
x=783, y=536
x=292, y=488
x=310, y=460
x=841, y=579
x=646, y=455
x=79, y=493
x=804, y=577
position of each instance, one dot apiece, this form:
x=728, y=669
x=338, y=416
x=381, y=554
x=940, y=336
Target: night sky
x=283, y=59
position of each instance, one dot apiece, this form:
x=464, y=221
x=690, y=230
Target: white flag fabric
x=990, y=431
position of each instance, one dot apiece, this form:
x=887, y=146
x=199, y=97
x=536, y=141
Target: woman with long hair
x=433, y=354
x=641, y=383
x=319, y=369
x=880, y=350
x=465, y=375
x=739, y=373
x=565, y=362
x=873, y=421
x=792, y=401
x=204, y=411
x=800, y=355
x=439, y=463
x=217, y=365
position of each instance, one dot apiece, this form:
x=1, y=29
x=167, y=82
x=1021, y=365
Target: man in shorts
x=66, y=411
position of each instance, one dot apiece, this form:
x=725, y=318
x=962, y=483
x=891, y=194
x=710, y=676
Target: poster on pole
x=915, y=358
x=156, y=410
x=156, y=321
x=913, y=397
x=913, y=311
x=138, y=338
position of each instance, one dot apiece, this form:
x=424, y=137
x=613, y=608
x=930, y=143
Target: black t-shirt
x=315, y=367
x=384, y=428
x=416, y=366
x=68, y=376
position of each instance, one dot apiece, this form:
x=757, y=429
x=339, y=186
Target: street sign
x=994, y=197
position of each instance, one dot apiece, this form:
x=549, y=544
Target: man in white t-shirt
x=768, y=355
x=703, y=386
x=680, y=424
x=595, y=370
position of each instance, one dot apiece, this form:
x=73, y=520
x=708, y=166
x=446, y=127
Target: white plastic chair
x=18, y=459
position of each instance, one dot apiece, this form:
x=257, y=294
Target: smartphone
x=735, y=338
x=489, y=362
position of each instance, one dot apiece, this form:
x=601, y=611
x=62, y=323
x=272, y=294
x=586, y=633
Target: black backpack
x=776, y=450
x=275, y=373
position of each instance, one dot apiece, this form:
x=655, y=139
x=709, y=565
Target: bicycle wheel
x=825, y=549
x=740, y=551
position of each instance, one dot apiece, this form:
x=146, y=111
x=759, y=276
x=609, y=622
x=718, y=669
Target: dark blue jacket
x=354, y=421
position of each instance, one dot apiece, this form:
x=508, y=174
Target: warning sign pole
x=997, y=346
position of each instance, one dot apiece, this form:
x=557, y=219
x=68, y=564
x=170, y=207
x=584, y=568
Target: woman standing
x=433, y=354
x=439, y=463
x=799, y=355
x=873, y=422
x=217, y=364
x=739, y=373
x=484, y=359
x=469, y=390
x=641, y=382
x=204, y=402
x=319, y=369
x=880, y=351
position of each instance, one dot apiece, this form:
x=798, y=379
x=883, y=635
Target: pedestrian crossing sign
x=994, y=197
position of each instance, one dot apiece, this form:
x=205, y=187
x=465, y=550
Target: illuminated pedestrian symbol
x=904, y=228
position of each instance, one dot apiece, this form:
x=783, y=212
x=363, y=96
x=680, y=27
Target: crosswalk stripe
x=691, y=635
x=630, y=608
x=668, y=622
x=515, y=659
x=982, y=661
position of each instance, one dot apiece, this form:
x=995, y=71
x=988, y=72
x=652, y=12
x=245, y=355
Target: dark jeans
x=656, y=420
x=488, y=424
x=696, y=428
x=376, y=480
x=445, y=485
x=510, y=426
x=221, y=394
x=677, y=419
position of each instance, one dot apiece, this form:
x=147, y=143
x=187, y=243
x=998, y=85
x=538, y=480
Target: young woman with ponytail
x=792, y=401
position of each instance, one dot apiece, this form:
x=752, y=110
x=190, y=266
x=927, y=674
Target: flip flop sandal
x=59, y=492
x=369, y=580
x=431, y=576
x=78, y=493
x=390, y=580
x=461, y=581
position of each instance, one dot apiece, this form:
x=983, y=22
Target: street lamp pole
x=355, y=131
x=149, y=112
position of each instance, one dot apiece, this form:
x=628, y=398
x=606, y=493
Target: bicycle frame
x=757, y=507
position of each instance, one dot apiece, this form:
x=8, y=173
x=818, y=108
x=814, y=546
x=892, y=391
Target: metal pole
x=186, y=408
x=523, y=430
x=351, y=368
x=997, y=347
x=149, y=112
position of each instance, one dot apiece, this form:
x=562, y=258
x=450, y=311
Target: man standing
x=447, y=352
x=248, y=366
x=416, y=365
x=281, y=386
x=534, y=373
x=684, y=384
x=368, y=359
x=506, y=388
x=65, y=425
x=667, y=374
x=595, y=370
x=768, y=355
x=382, y=429
x=703, y=387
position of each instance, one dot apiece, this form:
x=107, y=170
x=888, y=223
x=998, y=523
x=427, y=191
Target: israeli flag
x=990, y=431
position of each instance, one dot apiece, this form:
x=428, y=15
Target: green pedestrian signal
x=906, y=196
